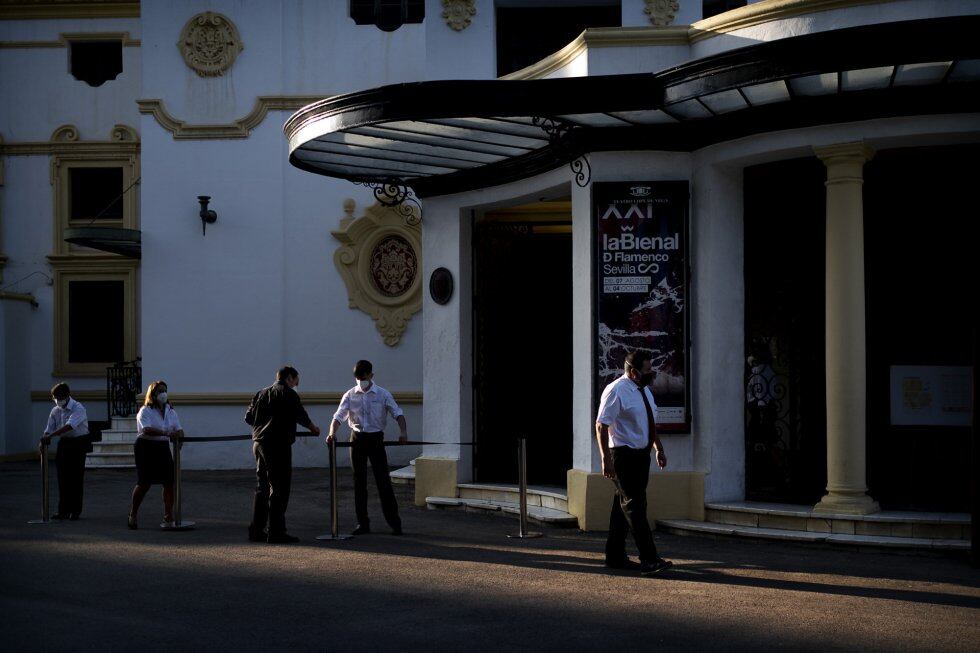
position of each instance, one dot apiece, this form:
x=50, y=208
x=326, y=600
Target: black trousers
x=70, y=461
x=273, y=471
x=365, y=447
x=629, y=508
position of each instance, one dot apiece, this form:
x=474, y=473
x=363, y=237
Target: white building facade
x=214, y=309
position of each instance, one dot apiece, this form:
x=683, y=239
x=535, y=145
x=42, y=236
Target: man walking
x=366, y=407
x=273, y=415
x=68, y=421
x=625, y=430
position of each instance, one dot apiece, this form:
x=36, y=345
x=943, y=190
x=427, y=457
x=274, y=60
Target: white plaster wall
x=261, y=289
x=467, y=54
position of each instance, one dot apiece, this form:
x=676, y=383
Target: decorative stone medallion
x=210, y=44
x=380, y=261
x=394, y=266
x=661, y=12
x=458, y=13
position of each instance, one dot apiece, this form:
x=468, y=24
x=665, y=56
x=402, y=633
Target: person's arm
x=302, y=418
x=343, y=411
x=655, y=438
x=50, y=430
x=602, y=437
x=250, y=413
x=395, y=411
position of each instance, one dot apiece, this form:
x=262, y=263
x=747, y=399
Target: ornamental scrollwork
x=661, y=12
x=458, y=13
x=380, y=261
x=210, y=44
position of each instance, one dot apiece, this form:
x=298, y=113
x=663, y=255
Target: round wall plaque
x=441, y=285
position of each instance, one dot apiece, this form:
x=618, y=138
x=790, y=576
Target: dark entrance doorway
x=920, y=223
x=785, y=395
x=522, y=342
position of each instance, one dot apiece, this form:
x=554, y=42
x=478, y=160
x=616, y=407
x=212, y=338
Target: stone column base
x=435, y=477
x=670, y=495
x=847, y=503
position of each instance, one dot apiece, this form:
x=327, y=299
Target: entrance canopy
x=443, y=137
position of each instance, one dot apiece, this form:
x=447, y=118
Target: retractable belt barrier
x=179, y=524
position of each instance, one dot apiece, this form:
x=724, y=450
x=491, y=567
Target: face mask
x=162, y=398
x=364, y=384
x=62, y=403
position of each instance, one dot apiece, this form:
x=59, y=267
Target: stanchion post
x=522, y=489
x=45, y=489
x=178, y=524
x=334, y=517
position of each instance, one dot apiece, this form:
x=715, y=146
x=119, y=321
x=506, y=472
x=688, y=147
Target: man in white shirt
x=625, y=430
x=366, y=407
x=68, y=421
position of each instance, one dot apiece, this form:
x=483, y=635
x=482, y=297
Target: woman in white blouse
x=157, y=424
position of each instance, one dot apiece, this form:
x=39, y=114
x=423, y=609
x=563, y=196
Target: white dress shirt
x=621, y=409
x=367, y=411
x=73, y=414
x=150, y=417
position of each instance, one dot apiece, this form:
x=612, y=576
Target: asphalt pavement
x=452, y=582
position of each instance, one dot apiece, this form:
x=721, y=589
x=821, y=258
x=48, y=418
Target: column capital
x=857, y=152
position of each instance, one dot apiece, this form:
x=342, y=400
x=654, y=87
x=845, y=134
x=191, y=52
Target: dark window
x=387, y=15
x=711, y=8
x=95, y=193
x=526, y=35
x=96, y=62
x=96, y=321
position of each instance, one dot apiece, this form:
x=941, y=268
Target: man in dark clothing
x=273, y=415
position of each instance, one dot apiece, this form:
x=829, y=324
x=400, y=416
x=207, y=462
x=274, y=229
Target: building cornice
x=649, y=36
x=231, y=398
x=240, y=128
x=53, y=9
x=65, y=39
x=65, y=140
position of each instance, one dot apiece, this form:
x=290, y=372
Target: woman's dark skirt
x=154, y=462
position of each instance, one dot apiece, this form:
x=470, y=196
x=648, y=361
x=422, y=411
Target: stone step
x=545, y=497
x=96, y=460
x=119, y=436
x=918, y=525
x=111, y=447
x=403, y=476
x=537, y=514
x=117, y=466
x=124, y=423
x=689, y=527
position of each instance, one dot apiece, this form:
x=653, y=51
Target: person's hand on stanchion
x=314, y=429
x=44, y=442
x=330, y=438
x=403, y=438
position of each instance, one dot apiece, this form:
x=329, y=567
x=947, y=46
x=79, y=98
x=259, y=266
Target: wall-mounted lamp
x=207, y=216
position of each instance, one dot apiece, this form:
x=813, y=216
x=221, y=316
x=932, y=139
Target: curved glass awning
x=442, y=137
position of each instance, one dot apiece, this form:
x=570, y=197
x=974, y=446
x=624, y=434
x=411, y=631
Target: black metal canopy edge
x=868, y=46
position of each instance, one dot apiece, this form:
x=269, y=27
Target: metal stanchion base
x=182, y=525
x=331, y=536
x=525, y=536
x=42, y=521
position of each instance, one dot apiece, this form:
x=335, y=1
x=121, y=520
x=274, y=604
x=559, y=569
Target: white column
x=845, y=331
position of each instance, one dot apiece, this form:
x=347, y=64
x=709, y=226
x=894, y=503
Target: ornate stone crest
x=458, y=13
x=380, y=262
x=210, y=44
x=661, y=12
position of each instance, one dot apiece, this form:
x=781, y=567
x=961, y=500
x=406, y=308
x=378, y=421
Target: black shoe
x=282, y=539
x=361, y=530
x=625, y=563
x=655, y=567
x=58, y=516
x=256, y=537
x=131, y=523
x=73, y=516
x=397, y=530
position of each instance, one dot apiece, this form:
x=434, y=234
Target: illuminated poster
x=931, y=395
x=640, y=280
